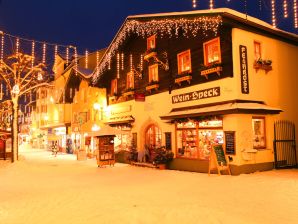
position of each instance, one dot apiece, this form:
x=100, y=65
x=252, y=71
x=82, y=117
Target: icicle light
x=211, y=4
x=86, y=59
x=67, y=55
x=285, y=8
x=273, y=13
x=109, y=65
x=194, y=3
x=131, y=62
x=97, y=58
x=55, y=58
x=33, y=53
x=2, y=48
x=295, y=14
x=17, y=45
x=142, y=62
x=44, y=49
x=76, y=60
x=122, y=61
x=260, y=5
x=118, y=65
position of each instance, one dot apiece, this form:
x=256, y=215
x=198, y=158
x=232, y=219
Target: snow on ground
x=41, y=188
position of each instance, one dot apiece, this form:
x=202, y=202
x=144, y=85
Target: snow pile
x=45, y=189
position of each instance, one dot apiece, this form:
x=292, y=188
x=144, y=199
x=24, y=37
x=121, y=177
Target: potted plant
x=162, y=157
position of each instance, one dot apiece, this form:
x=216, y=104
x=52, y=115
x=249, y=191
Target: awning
x=121, y=120
x=106, y=130
x=221, y=108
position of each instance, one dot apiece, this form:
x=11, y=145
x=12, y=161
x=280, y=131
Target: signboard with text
x=244, y=69
x=196, y=95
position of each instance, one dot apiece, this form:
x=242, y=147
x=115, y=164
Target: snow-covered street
x=41, y=188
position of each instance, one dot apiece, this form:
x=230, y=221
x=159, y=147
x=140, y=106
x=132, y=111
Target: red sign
x=140, y=97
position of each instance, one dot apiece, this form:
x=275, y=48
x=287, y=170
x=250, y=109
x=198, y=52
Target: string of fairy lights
x=40, y=51
x=274, y=4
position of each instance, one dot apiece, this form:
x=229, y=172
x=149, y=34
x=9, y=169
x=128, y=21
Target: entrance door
x=284, y=144
x=152, y=140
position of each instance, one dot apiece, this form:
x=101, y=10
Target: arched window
x=153, y=137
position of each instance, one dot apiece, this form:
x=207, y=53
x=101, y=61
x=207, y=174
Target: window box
x=179, y=79
x=129, y=92
x=263, y=64
x=152, y=86
x=149, y=54
x=211, y=69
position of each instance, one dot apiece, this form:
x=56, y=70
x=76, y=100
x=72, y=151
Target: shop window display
x=194, y=139
x=123, y=141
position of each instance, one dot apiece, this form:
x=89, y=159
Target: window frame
x=257, y=55
x=205, y=46
x=130, y=80
x=149, y=39
x=263, y=126
x=150, y=76
x=180, y=55
x=114, y=86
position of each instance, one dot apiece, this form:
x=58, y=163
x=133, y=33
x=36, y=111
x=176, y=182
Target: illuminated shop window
x=114, y=88
x=151, y=42
x=212, y=52
x=257, y=50
x=184, y=62
x=124, y=140
x=153, y=73
x=130, y=80
x=194, y=139
x=259, y=132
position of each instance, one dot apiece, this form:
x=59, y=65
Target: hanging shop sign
x=244, y=69
x=196, y=95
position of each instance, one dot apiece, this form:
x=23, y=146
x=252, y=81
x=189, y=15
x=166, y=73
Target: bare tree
x=20, y=75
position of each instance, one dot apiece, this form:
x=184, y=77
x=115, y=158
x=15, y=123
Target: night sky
x=92, y=24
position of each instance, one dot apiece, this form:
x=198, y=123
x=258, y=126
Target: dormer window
x=184, y=62
x=212, y=53
x=114, y=88
x=151, y=42
x=130, y=80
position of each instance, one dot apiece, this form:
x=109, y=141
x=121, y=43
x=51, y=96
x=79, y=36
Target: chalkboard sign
x=220, y=155
x=168, y=136
x=230, y=142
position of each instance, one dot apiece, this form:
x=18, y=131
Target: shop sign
x=244, y=69
x=196, y=95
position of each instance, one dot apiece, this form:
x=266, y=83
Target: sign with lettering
x=244, y=69
x=230, y=142
x=196, y=95
x=217, y=160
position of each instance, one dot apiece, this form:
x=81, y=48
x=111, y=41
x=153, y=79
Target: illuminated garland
x=285, y=7
x=295, y=14
x=273, y=13
x=162, y=27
